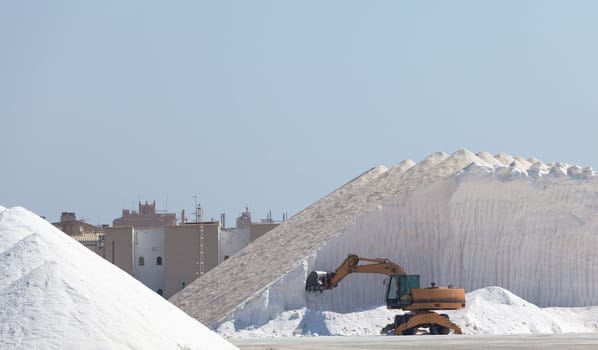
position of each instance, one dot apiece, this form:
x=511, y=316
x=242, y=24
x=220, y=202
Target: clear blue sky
x=274, y=104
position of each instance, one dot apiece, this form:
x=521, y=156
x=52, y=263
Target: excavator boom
x=321, y=280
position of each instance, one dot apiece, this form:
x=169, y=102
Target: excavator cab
x=398, y=293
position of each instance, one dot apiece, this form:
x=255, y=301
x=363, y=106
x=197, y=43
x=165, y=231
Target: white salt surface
x=57, y=294
x=489, y=311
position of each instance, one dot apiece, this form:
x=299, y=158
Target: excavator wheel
x=391, y=328
x=438, y=329
x=409, y=331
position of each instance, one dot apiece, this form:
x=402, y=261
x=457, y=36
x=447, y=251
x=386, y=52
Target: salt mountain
x=471, y=220
x=57, y=294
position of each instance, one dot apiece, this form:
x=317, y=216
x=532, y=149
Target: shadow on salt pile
x=313, y=323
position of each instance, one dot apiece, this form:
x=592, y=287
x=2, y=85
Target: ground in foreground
x=461, y=342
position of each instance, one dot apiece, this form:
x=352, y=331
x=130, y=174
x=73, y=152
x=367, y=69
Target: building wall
x=258, y=229
x=180, y=249
x=93, y=241
x=233, y=240
x=75, y=227
x=145, y=217
x=187, y=258
x=149, y=257
x=99, y=250
x=118, y=247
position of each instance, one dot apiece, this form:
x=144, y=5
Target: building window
x=141, y=261
x=159, y=261
x=113, y=252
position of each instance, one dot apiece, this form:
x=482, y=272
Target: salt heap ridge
x=472, y=220
x=57, y=294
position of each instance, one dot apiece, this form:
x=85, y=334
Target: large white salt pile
x=471, y=220
x=57, y=294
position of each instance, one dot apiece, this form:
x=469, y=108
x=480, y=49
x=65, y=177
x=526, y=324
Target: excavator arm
x=320, y=280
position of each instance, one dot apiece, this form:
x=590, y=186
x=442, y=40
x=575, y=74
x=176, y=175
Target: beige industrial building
x=145, y=217
x=70, y=225
x=165, y=257
x=118, y=247
x=89, y=235
x=191, y=250
x=92, y=240
x=258, y=229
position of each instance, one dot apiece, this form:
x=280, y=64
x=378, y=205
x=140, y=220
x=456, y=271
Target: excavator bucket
x=318, y=281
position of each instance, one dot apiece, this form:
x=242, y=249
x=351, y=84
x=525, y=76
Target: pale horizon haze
x=274, y=104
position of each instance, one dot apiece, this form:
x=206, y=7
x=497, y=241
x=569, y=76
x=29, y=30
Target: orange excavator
x=403, y=292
